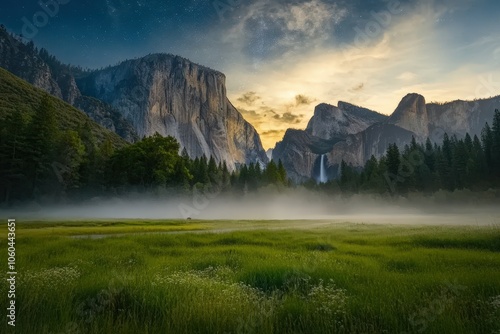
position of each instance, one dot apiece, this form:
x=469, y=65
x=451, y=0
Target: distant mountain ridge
x=367, y=134
x=346, y=119
x=28, y=63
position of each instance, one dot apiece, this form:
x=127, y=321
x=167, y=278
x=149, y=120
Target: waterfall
x=322, y=171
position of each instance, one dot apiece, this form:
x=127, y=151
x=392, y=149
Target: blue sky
x=281, y=58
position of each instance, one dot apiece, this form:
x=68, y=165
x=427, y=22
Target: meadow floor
x=132, y=276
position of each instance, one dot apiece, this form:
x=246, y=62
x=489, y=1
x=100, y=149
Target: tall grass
x=343, y=279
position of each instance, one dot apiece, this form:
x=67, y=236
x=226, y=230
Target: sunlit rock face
x=411, y=114
x=157, y=93
x=432, y=120
x=175, y=97
x=354, y=134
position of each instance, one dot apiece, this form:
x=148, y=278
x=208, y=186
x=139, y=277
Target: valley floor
x=352, y=275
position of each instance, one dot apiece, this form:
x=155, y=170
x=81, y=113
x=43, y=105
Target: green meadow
x=133, y=276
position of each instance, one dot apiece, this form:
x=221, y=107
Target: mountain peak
x=331, y=122
x=158, y=93
x=414, y=97
x=172, y=96
x=169, y=58
x=324, y=107
x=411, y=114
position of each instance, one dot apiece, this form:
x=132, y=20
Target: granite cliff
x=158, y=93
x=173, y=96
x=356, y=140
x=300, y=151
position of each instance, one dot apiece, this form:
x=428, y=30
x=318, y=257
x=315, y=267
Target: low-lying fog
x=296, y=205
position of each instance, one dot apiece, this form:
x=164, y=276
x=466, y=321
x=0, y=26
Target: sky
x=282, y=58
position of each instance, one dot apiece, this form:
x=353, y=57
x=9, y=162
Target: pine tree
x=14, y=148
x=369, y=175
x=393, y=160
x=102, y=172
x=42, y=133
x=495, y=145
x=476, y=167
x=487, y=138
x=258, y=172
x=213, y=171
x=226, y=177
x=243, y=179
x=460, y=159
x=90, y=159
x=445, y=164
x=468, y=143
x=429, y=156
x=272, y=174
x=252, y=177
x=70, y=155
x=204, y=178
x=348, y=179
x=283, y=179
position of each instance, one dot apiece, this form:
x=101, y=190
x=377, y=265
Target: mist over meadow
x=299, y=204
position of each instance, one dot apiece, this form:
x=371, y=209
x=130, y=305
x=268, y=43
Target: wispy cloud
x=303, y=100
x=249, y=98
x=408, y=56
x=267, y=29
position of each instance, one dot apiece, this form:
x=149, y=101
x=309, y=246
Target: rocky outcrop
x=159, y=93
x=433, y=120
x=45, y=72
x=300, y=151
x=411, y=114
x=412, y=118
x=346, y=119
x=460, y=117
x=107, y=116
x=357, y=149
x=22, y=61
x=174, y=97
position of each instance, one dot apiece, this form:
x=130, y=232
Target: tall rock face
x=45, y=72
x=300, y=151
x=173, y=96
x=433, y=120
x=158, y=93
x=414, y=118
x=411, y=114
x=357, y=149
x=461, y=117
x=359, y=133
x=346, y=119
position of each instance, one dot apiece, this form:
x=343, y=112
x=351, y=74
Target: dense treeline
x=470, y=163
x=154, y=163
x=39, y=161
